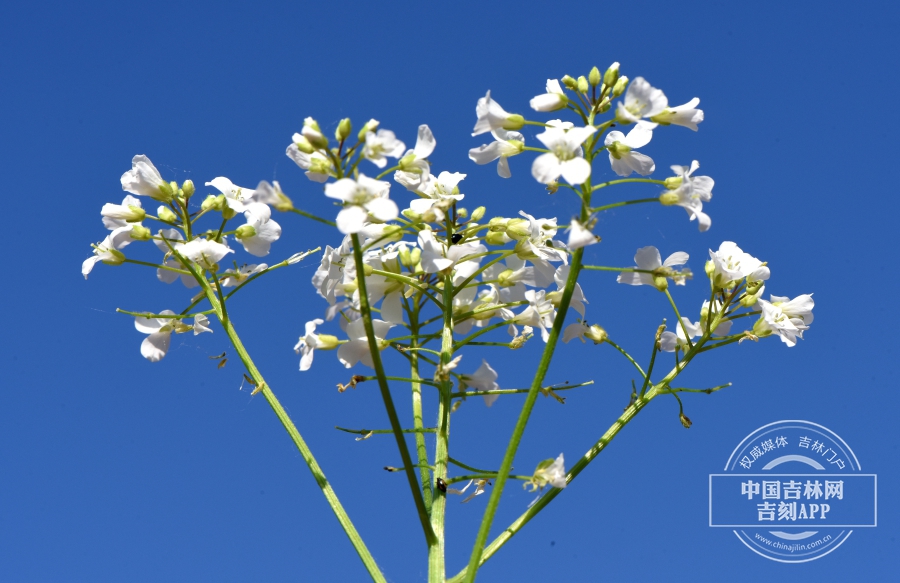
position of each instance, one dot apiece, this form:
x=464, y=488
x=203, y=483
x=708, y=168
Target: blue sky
x=113, y=468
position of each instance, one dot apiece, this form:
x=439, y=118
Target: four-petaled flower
x=565, y=155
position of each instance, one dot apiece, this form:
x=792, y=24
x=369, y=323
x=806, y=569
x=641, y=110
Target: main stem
x=436, y=552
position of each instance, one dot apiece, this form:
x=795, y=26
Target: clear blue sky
x=114, y=469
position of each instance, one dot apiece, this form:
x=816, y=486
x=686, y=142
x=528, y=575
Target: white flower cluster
x=182, y=246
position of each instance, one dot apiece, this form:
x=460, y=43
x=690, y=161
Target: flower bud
x=518, y=229
x=343, y=130
x=164, y=192
x=612, y=75
x=407, y=163
x=478, y=213
x=166, y=215
x=370, y=126
x=594, y=77
x=496, y=238
x=244, y=231
x=685, y=421
x=227, y=212
x=351, y=287
x=414, y=257
x=552, y=187
x=619, y=87
x=569, y=82
x=462, y=213
x=753, y=293
x=313, y=134
x=429, y=216
x=210, y=203
x=140, y=233
x=411, y=215
x=582, y=84
x=303, y=144
x=524, y=251
x=673, y=182
x=660, y=282
x=514, y=122
x=187, y=187
x=603, y=106
x=391, y=233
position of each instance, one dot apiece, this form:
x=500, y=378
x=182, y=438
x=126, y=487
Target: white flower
x=155, y=346
x=435, y=257
x=233, y=277
x=669, y=341
x=577, y=301
x=580, y=330
x=203, y=252
x=786, y=318
x=201, y=324
x=483, y=379
x=641, y=101
x=119, y=215
x=539, y=313
x=579, y=236
x=357, y=348
x=361, y=197
x=264, y=230
x=624, y=161
x=236, y=197
x=648, y=259
x=271, y=194
x=381, y=144
x=686, y=115
x=505, y=144
x=144, y=179
x=492, y=117
x=107, y=250
x=730, y=264
x=308, y=343
x=439, y=194
x=551, y=472
x=554, y=99
x=318, y=167
x=169, y=276
x=565, y=155
x=690, y=193
x=414, y=168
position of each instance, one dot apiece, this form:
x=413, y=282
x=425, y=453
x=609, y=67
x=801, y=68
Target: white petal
x=425, y=142
x=576, y=171
x=351, y=219
x=546, y=168
x=155, y=346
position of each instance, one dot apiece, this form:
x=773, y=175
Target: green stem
x=416, y=386
x=623, y=203
x=289, y=426
x=313, y=217
x=625, y=180
x=518, y=431
x=375, y=351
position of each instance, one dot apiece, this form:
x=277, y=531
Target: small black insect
x=456, y=237
x=442, y=485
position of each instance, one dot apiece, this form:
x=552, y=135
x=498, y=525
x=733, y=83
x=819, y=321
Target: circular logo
x=792, y=492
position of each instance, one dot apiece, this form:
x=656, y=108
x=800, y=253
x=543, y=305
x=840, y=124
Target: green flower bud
x=140, y=233
x=673, y=182
x=392, y=233
x=244, y=231
x=594, y=77
x=414, y=257
x=582, y=84
x=604, y=105
x=210, y=203
x=227, y=212
x=462, y=213
x=518, y=229
x=612, y=75
x=187, y=187
x=660, y=282
x=668, y=199
x=514, y=122
x=496, y=238
x=569, y=82
x=165, y=192
x=429, y=216
x=351, y=287
x=343, y=130
x=166, y=215
x=405, y=258
x=411, y=215
x=478, y=213
x=619, y=87
x=523, y=250
x=370, y=126
x=303, y=145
